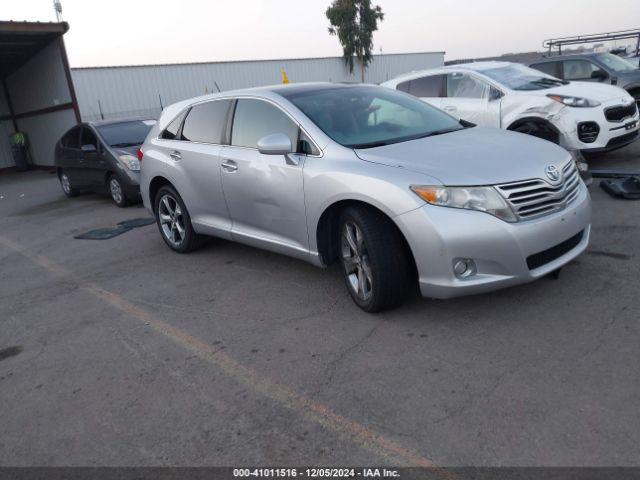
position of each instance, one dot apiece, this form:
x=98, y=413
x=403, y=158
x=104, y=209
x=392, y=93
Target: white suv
x=577, y=115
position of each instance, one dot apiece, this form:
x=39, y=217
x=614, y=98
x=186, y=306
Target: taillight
x=140, y=154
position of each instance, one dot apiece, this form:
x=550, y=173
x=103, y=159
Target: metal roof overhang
x=20, y=41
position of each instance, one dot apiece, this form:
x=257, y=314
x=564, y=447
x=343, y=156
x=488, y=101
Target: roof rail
x=592, y=38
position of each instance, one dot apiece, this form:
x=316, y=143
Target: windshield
x=615, y=63
x=365, y=117
x=126, y=134
x=519, y=77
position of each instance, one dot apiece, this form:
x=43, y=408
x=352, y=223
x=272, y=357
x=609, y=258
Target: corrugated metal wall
x=139, y=90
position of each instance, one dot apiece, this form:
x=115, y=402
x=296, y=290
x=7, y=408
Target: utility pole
x=57, y=6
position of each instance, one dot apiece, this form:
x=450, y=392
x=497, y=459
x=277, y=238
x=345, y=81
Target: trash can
x=19, y=151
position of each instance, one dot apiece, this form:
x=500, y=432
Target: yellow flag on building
x=285, y=79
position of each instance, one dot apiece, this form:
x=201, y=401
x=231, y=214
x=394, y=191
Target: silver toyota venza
x=392, y=188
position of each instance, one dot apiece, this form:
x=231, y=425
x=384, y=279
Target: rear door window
x=579, y=69
x=425, y=87
x=206, y=122
x=550, y=68
x=462, y=85
x=88, y=138
x=255, y=119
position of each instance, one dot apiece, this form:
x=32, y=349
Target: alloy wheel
x=171, y=220
x=116, y=190
x=355, y=259
x=66, y=183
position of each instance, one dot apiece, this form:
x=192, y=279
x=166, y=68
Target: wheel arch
x=328, y=226
x=537, y=120
x=155, y=185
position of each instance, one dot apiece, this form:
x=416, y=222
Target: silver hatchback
x=395, y=190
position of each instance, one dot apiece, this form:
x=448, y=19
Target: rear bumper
x=500, y=250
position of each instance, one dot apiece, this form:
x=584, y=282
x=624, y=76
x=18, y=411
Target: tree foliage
x=354, y=22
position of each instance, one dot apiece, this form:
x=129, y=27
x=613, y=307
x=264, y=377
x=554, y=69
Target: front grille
x=622, y=140
x=619, y=113
x=534, y=198
x=540, y=259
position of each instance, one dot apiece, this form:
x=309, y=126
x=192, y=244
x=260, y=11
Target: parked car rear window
x=425, y=87
x=126, y=134
x=205, y=122
x=363, y=117
x=71, y=139
x=550, y=68
x=255, y=119
x=519, y=77
x=615, y=63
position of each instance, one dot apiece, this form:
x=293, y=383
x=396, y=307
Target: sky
x=136, y=32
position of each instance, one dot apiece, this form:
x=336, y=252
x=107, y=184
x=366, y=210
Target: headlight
x=131, y=162
x=483, y=199
x=574, y=101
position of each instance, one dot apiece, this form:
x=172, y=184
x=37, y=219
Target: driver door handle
x=175, y=155
x=229, y=165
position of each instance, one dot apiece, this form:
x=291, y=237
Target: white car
x=583, y=116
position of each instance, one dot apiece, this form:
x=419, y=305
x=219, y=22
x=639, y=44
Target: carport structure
x=36, y=91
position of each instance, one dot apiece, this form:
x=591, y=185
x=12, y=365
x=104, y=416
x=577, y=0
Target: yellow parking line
x=284, y=395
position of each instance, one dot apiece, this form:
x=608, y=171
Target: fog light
x=464, y=267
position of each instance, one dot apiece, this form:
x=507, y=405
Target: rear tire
x=375, y=261
x=67, y=187
x=174, y=221
x=116, y=191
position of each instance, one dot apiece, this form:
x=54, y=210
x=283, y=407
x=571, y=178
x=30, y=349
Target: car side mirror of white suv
x=275, y=144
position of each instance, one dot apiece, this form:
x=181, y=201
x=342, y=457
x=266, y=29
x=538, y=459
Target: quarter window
x=306, y=146
x=205, y=123
x=461, y=85
x=171, y=132
x=255, y=119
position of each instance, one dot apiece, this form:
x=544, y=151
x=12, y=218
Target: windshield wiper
x=439, y=132
x=550, y=81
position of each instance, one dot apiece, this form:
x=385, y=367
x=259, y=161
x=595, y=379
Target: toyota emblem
x=552, y=173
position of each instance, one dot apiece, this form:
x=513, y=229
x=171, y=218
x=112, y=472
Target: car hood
x=593, y=91
x=473, y=156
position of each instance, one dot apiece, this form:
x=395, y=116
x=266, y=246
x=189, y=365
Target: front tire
x=117, y=192
x=67, y=187
x=537, y=129
x=374, y=257
x=174, y=221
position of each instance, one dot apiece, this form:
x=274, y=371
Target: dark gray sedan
x=103, y=156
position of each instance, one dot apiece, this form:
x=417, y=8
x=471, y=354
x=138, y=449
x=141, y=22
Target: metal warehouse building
x=114, y=92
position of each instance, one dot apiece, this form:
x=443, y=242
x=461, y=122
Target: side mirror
x=275, y=144
x=599, y=75
x=89, y=148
